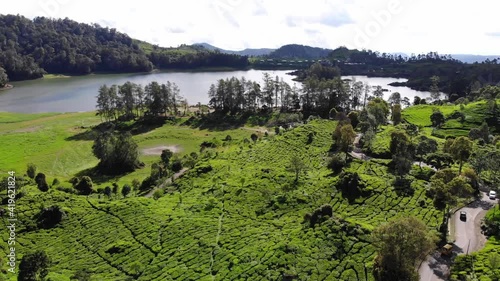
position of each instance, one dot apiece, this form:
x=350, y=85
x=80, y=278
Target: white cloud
x=445, y=26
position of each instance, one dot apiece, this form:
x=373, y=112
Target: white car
x=492, y=195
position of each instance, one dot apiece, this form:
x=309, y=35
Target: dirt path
x=468, y=239
x=166, y=182
x=158, y=149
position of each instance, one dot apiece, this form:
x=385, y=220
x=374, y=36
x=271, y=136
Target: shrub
x=319, y=215
x=126, y=190
x=338, y=161
x=228, y=138
x=177, y=165
x=55, y=182
x=31, y=170
x=136, y=184
x=50, y=217
x=158, y=194
x=41, y=182
x=254, y=137
x=203, y=169
x=85, y=185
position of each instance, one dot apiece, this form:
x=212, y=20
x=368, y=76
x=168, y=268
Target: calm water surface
x=79, y=93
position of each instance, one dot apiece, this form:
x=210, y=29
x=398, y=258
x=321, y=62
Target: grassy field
x=243, y=220
x=51, y=142
x=475, y=114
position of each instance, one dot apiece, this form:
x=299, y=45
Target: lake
x=79, y=93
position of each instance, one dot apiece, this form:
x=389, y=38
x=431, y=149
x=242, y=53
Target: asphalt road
x=468, y=238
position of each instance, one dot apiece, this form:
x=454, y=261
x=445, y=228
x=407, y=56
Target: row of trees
x=132, y=100
x=199, y=58
x=316, y=97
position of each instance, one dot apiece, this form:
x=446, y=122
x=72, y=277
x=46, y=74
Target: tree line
x=131, y=100
x=316, y=96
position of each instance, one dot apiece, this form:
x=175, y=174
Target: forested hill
x=30, y=47
x=294, y=51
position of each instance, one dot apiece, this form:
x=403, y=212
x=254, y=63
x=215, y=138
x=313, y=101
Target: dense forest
x=30, y=48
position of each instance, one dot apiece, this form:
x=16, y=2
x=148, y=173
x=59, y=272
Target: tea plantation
x=237, y=215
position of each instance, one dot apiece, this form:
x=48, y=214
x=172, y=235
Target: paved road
x=468, y=237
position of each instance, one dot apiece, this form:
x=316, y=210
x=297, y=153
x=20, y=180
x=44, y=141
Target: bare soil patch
x=158, y=149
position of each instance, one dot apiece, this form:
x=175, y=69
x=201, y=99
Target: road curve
x=468, y=239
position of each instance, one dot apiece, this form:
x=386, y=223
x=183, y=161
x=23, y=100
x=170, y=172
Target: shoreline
x=7, y=87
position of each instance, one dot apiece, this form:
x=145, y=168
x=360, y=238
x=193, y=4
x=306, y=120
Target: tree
x=437, y=118
x=379, y=109
x=177, y=165
x=41, y=182
x=461, y=149
x=396, y=114
x=485, y=163
x=395, y=98
x=118, y=153
x=425, y=146
x=434, y=88
x=3, y=78
x=34, y=266
x=401, y=245
x=297, y=166
x=254, y=137
x=107, y=191
x=446, y=188
x=165, y=157
x=402, y=151
x=354, y=117
x=126, y=190
x=85, y=185
x=31, y=170
x=344, y=136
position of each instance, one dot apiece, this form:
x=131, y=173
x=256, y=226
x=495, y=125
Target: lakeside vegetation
x=327, y=181
x=281, y=201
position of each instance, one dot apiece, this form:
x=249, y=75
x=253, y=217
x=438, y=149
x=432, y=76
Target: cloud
x=493, y=34
x=332, y=18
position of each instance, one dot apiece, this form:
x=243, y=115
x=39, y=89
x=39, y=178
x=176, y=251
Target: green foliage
x=41, y=182
x=236, y=215
x=50, y=217
x=31, y=170
x=396, y=114
x=3, y=78
x=118, y=153
x=34, y=266
x=126, y=190
x=65, y=46
x=461, y=149
x=84, y=185
x=165, y=157
x=437, y=118
x=401, y=245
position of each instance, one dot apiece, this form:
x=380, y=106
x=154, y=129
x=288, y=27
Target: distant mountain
x=474, y=58
x=245, y=52
x=293, y=51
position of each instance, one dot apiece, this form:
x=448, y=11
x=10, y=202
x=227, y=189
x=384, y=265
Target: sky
x=408, y=26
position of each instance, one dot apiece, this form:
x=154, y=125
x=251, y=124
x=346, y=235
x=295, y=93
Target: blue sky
x=410, y=26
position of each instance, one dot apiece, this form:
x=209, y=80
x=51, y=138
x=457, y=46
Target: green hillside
x=243, y=220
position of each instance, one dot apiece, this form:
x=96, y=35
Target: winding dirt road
x=468, y=239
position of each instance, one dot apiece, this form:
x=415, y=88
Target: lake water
x=79, y=93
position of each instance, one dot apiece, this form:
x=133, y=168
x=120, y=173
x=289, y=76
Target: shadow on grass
x=140, y=126
x=222, y=122
x=98, y=177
